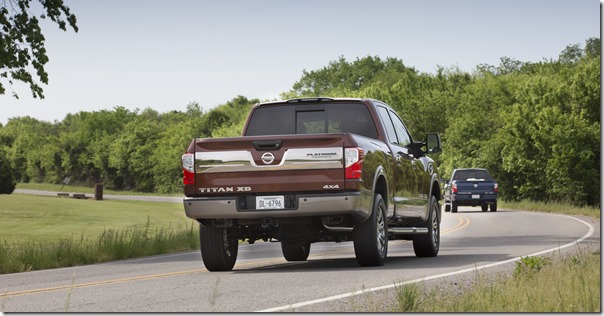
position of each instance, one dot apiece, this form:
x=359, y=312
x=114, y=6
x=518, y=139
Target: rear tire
x=454, y=208
x=485, y=207
x=427, y=245
x=371, y=236
x=295, y=251
x=494, y=207
x=219, y=247
x=295, y=242
x=447, y=207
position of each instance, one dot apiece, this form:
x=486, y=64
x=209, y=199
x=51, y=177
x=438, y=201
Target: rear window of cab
x=333, y=118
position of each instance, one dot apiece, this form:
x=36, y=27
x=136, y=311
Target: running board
x=391, y=230
x=407, y=230
x=338, y=229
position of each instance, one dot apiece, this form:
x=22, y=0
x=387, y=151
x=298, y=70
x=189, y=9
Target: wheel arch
x=380, y=186
x=436, y=191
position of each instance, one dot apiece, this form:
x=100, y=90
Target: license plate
x=476, y=196
x=270, y=202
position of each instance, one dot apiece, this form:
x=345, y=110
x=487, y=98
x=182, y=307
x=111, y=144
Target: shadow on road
x=392, y=263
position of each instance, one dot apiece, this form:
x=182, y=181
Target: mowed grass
x=38, y=217
x=38, y=232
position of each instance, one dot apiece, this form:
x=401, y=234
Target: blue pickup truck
x=471, y=187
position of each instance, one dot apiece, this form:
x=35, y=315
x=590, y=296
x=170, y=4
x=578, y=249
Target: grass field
x=25, y=217
x=38, y=232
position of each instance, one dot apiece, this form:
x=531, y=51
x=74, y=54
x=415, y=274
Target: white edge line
x=390, y=286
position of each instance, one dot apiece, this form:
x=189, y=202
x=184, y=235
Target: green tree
x=7, y=180
x=22, y=42
x=177, y=130
x=233, y=115
x=342, y=74
x=131, y=152
x=593, y=47
x=23, y=137
x=571, y=54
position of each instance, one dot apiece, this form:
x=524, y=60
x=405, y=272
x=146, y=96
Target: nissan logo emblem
x=267, y=158
x=475, y=185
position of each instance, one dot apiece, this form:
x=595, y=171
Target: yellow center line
x=463, y=222
x=106, y=282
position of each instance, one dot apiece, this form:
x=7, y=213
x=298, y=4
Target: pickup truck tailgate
x=265, y=164
x=475, y=187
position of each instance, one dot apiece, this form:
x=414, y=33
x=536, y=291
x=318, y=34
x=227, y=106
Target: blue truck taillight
x=188, y=169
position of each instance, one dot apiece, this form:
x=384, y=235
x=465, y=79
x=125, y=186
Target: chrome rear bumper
x=308, y=205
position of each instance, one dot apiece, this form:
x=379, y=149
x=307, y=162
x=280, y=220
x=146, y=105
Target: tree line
x=126, y=150
x=534, y=125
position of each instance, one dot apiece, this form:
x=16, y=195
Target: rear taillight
x=454, y=187
x=354, y=162
x=188, y=169
x=496, y=188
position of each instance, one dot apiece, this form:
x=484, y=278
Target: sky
x=166, y=54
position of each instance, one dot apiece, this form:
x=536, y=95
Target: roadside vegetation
x=537, y=284
x=111, y=244
x=558, y=208
x=39, y=232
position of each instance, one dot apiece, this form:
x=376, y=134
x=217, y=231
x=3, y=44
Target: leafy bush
x=528, y=266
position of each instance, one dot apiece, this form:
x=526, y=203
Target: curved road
x=330, y=280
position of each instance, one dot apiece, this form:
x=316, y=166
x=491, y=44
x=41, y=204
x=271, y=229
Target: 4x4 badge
x=267, y=158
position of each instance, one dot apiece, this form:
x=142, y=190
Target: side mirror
x=433, y=144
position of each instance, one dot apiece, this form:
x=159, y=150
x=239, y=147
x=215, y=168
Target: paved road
x=263, y=281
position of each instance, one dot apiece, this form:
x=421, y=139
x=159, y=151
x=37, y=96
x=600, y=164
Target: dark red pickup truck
x=313, y=170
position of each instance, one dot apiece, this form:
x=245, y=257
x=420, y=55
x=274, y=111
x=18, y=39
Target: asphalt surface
x=472, y=242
